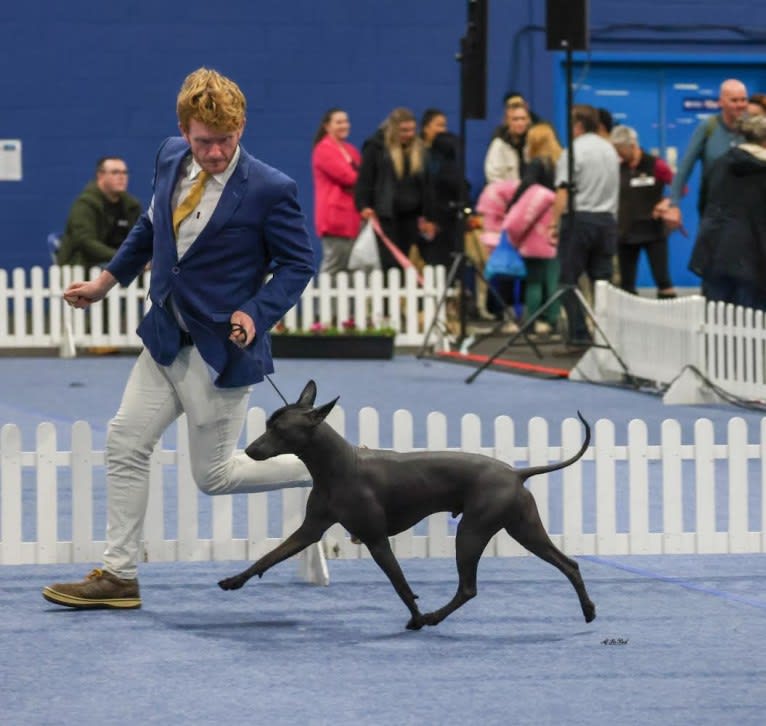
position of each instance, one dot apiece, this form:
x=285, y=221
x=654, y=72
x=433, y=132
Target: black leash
x=276, y=389
x=241, y=333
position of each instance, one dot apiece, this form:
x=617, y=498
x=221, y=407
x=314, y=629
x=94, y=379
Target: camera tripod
x=562, y=292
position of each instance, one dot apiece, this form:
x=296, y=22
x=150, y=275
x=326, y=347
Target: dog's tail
x=534, y=470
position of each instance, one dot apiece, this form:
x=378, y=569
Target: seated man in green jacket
x=100, y=218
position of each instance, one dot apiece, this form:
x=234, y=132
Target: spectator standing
x=712, y=138
x=219, y=221
x=504, y=160
x=588, y=242
x=543, y=151
x=443, y=187
x=730, y=250
x=392, y=185
x=100, y=218
x=642, y=180
x=335, y=168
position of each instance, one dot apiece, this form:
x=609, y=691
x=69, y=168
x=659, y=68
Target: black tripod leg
x=451, y=275
x=522, y=331
x=607, y=343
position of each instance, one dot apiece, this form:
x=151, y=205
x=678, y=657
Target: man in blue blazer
x=219, y=221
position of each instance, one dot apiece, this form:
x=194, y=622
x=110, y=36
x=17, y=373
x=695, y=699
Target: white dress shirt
x=190, y=228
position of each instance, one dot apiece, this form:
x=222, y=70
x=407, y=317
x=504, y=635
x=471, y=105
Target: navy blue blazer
x=257, y=227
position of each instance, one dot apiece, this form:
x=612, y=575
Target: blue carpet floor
x=678, y=640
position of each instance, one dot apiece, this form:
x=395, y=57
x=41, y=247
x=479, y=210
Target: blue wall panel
x=84, y=78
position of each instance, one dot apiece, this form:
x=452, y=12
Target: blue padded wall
x=84, y=78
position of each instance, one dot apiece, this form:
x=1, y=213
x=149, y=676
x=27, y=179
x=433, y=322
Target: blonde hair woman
x=391, y=183
x=543, y=151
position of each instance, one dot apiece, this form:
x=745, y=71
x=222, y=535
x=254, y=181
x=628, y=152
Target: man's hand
x=83, y=294
x=242, y=329
x=670, y=216
x=367, y=213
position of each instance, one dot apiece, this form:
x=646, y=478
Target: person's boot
x=100, y=589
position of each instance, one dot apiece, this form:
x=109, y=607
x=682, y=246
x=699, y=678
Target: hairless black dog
x=375, y=494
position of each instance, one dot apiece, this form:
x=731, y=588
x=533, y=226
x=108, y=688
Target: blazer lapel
x=163, y=198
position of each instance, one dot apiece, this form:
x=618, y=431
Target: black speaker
x=473, y=62
x=566, y=22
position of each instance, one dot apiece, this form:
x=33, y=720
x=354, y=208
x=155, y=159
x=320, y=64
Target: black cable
x=750, y=404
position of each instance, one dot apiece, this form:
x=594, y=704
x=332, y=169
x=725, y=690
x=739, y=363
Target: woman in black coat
x=730, y=251
x=392, y=184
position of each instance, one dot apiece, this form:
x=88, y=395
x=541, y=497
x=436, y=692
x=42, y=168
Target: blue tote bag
x=505, y=260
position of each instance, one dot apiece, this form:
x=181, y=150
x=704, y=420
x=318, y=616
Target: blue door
x=664, y=99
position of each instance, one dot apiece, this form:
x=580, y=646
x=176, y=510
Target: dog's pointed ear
x=320, y=414
x=309, y=394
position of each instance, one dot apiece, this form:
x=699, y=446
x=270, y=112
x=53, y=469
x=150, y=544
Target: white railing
x=33, y=315
x=671, y=496
x=660, y=340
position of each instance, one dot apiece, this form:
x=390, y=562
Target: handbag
x=505, y=260
x=364, y=252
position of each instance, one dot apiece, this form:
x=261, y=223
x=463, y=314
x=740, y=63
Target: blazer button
x=176, y=270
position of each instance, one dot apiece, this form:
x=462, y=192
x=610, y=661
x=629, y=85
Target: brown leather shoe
x=100, y=589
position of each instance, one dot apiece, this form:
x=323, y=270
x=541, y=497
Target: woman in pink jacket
x=528, y=221
x=335, y=166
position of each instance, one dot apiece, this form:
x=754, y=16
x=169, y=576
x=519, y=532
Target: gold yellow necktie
x=189, y=204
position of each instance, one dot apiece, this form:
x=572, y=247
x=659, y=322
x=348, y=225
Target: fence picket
x=506, y=450
x=10, y=495
x=638, y=477
x=83, y=462
x=403, y=544
x=47, y=494
x=672, y=491
x=738, y=485
x=763, y=483
x=606, y=523
x=439, y=543
x=574, y=540
x=704, y=471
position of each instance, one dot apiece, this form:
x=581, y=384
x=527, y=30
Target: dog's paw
x=231, y=583
x=431, y=619
x=589, y=612
x=415, y=622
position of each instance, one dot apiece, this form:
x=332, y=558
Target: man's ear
x=320, y=414
x=308, y=395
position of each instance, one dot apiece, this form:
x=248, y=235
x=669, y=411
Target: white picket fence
x=659, y=340
x=33, y=314
x=672, y=496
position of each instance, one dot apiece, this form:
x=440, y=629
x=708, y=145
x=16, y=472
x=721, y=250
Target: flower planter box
x=332, y=346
